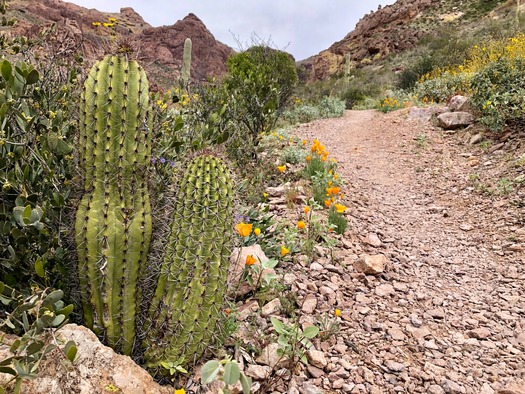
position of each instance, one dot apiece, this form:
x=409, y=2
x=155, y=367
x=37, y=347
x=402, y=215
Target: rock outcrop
x=158, y=48
x=96, y=369
x=376, y=35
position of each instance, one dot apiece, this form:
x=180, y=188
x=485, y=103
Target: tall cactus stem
x=186, y=63
x=113, y=223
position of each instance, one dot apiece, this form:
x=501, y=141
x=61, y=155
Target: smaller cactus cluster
x=192, y=283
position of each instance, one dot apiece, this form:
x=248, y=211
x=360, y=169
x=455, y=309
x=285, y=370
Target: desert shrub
x=331, y=107
x=442, y=88
x=498, y=92
x=353, y=96
x=260, y=82
x=37, y=168
x=408, y=78
x=300, y=114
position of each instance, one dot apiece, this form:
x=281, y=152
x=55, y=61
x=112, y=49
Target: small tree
x=261, y=80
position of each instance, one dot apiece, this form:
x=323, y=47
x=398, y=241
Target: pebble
x=384, y=289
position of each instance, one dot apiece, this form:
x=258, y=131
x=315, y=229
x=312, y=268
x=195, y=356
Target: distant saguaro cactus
x=186, y=62
x=190, y=291
x=113, y=221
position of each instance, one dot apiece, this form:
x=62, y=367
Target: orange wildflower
x=301, y=225
x=281, y=168
x=244, y=229
x=250, y=260
x=284, y=251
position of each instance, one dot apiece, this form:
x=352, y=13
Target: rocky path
x=448, y=313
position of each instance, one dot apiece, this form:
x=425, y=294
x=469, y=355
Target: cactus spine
x=192, y=283
x=186, y=63
x=113, y=222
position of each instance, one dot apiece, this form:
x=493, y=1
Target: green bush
x=498, y=92
x=441, y=89
x=331, y=107
x=36, y=167
x=260, y=82
x=301, y=114
x=408, y=77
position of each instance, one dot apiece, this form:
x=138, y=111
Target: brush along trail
x=447, y=314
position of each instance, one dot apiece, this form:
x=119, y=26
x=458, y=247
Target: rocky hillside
x=399, y=27
x=159, y=48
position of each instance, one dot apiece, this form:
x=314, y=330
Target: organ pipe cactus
x=113, y=221
x=190, y=292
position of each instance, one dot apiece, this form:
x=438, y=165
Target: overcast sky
x=301, y=27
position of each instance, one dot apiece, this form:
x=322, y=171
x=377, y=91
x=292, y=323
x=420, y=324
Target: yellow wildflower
x=340, y=208
x=308, y=158
x=96, y=24
x=281, y=168
x=257, y=231
x=301, y=225
x=337, y=312
x=284, y=251
x=180, y=391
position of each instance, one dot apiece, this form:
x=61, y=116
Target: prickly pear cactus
x=113, y=221
x=190, y=292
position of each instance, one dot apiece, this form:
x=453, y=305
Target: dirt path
x=448, y=314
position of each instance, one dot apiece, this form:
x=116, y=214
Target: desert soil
x=448, y=313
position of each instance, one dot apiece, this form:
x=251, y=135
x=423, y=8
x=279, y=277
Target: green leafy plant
x=337, y=221
x=293, y=341
x=227, y=371
x=35, y=317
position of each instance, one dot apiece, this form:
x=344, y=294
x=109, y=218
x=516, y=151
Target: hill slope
x=159, y=48
x=399, y=27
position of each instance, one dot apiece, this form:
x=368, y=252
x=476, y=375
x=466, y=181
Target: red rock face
x=158, y=48
x=376, y=35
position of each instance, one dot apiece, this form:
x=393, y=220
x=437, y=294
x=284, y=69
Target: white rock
x=385, y=289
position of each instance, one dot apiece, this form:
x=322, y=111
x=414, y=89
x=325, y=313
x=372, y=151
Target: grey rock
x=258, y=372
x=455, y=120
x=451, y=387
x=460, y=103
x=394, y=366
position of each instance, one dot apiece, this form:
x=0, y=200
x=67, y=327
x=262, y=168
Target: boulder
x=96, y=369
x=455, y=120
x=460, y=104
